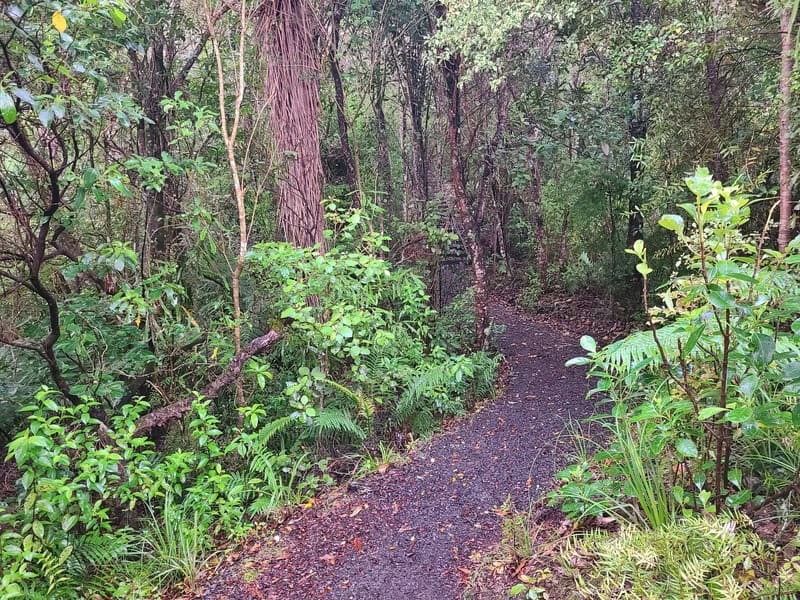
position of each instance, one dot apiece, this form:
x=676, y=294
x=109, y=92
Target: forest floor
x=414, y=530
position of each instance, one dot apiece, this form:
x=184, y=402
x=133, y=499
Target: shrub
x=707, y=399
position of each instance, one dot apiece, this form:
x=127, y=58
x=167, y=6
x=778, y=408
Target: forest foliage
x=246, y=248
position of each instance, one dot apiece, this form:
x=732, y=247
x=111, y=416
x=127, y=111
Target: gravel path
x=405, y=533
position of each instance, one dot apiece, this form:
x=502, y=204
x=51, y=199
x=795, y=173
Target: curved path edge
x=405, y=533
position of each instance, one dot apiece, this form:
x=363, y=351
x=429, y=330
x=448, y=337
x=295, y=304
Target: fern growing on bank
x=334, y=422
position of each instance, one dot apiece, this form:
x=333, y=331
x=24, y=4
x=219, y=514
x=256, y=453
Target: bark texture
x=288, y=33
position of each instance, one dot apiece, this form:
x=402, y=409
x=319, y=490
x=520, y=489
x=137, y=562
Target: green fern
x=272, y=429
x=412, y=401
x=640, y=347
x=337, y=422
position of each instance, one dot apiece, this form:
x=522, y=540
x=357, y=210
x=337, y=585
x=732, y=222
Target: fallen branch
x=176, y=410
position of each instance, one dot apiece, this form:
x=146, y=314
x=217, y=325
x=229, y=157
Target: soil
x=413, y=531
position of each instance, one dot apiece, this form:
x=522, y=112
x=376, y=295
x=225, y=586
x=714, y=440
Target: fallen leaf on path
x=358, y=545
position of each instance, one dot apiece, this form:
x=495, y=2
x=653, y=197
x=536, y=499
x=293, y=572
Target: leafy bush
x=84, y=487
x=705, y=403
x=371, y=349
x=357, y=360
x=695, y=557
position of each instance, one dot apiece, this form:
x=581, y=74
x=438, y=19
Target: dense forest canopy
x=248, y=247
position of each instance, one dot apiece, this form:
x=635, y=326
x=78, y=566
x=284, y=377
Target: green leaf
x=69, y=522
x=791, y=371
x=764, y=348
x=8, y=110
x=722, y=300
x=578, y=361
x=740, y=414
x=38, y=529
x=709, y=411
x=693, y=339
x=46, y=117
x=90, y=176
x=117, y=17
x=735, y=477
x=24, y=95
x=701, y=182
x=749, y=385
x=588, y=343
x=686, y=447
x=739, y=498
x=672, y=223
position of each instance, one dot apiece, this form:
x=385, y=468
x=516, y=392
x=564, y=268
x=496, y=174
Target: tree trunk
x=535, y=212
x=382, y=159
x=469, y=224
x=784, y=147
x=351, y=166
x=292, y=87
x=637, y=130
x=716, y=94
x=415, y=80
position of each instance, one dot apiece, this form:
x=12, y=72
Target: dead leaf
x=358, y=545
x=328, y=558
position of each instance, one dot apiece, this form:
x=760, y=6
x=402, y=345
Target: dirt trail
x=404, y=534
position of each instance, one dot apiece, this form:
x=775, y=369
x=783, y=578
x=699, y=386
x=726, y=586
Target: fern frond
x=426, y=380
x=332, y=421
x=640, y=346
x=272, y=429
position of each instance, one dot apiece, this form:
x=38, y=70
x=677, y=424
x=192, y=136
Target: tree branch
x=176, y=410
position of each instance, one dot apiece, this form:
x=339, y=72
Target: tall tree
x=637, y=130
x=288, y=32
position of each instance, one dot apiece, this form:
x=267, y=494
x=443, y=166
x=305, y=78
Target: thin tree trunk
x=382, y=159
x=450, y=69
x=415, y=80
x=348, y=156
x=230, y=131
x=637, y=130
x=716, y=93
x=784, y=148
x=535, y=212
x=292, y=86
x=564, y=245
